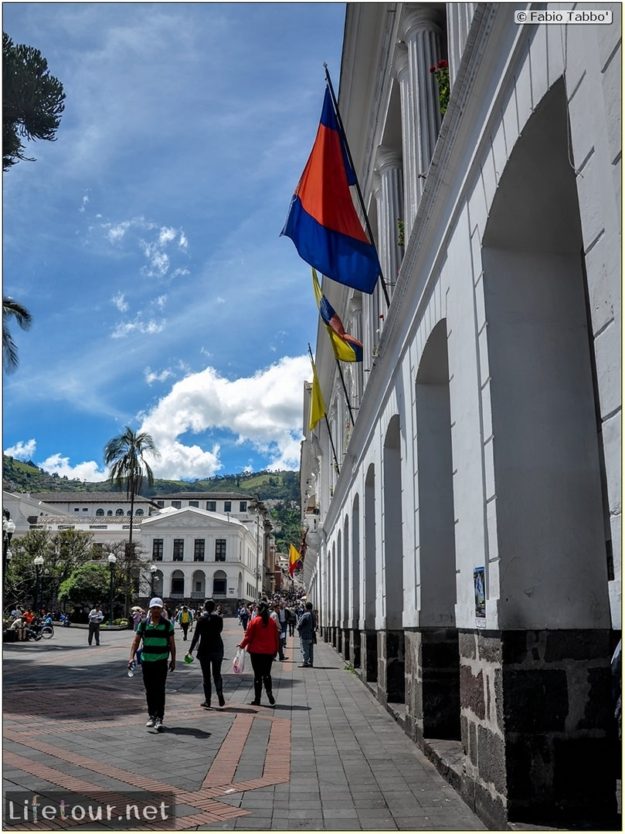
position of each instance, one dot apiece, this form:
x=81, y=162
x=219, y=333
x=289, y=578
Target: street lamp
x=153, y=570
x=38, y=563
x=112, y=559
x=8, y=528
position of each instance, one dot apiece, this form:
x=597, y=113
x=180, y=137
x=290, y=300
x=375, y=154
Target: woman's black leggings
x=211, y=663
x=261, y=664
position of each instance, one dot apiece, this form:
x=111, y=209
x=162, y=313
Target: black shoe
x=271, y=699
x=254, y=703
x=303, y=666
x=221, y=699
x=205, y=704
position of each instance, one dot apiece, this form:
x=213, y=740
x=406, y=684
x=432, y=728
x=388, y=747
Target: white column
x=408, y=139
x=422, y=35
x=388, y=166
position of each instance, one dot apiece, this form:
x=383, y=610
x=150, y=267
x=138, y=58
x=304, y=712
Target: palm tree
x=11, y=309
x=125, y=456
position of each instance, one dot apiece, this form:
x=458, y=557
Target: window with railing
x=178, y=550
x=198, y=550
x=220, y=550
x=157, y=550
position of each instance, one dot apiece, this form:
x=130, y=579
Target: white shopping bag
x=238, y=662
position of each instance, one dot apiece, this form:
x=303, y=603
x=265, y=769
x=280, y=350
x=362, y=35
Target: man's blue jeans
x=307, y=651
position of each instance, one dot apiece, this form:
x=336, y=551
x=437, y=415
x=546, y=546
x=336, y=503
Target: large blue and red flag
x=322, y=222
x=346, y=348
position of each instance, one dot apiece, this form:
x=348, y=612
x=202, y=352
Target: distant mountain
x=20, y=476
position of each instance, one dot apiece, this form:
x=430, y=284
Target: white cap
x=156, y=602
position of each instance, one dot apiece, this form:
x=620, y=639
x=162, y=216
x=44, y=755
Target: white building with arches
x=200, y=554
x=466, y=556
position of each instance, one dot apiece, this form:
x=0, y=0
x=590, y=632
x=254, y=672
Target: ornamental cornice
x=400, y=60
x=386, y=157
x=419, y=18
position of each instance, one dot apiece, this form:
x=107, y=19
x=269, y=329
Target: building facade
x=465, y=553
x=200, y=554
x=201, y=545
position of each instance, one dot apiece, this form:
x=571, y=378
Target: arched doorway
x=438, y=655
x=548, y=503
x=369, y=641
x=392, y=655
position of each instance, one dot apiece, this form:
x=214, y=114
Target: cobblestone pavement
x=326, y=757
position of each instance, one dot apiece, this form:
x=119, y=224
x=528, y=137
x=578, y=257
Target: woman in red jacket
x=262, y=639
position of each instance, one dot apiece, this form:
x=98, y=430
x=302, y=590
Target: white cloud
x=150, y=328
x=183, y=242
x=22, y=450
x=264, y=410
x=157, y=376
x=120, y=302
x=166, y=235
x=84, y=203
x=160, y=301
x=87, y=471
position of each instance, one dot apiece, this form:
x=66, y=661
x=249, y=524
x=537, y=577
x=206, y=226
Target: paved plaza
x=326, y=757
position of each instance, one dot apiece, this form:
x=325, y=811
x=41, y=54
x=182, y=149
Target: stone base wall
x=368, y=656
x=391, y=683
x=355, y=644
x=432, y=680
x=536, y=727
x=346, y=640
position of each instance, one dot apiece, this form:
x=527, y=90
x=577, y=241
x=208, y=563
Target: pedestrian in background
x=159, y=645
x=184, y=618
x=95, y=618
x=244, y=616
x=262, y=640
x=306, y=628
x=210, y=651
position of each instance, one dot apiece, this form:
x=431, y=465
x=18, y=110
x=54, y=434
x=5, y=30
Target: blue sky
x=145, y=240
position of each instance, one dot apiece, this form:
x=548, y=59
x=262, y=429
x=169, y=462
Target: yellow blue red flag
x=295, y=560
x=346, y=348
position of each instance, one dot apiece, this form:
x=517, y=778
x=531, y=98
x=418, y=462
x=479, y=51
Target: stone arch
x=551, y=535
x=177, y=584
x=369, y=643
x=392, y=658
x=439, y=654
x=220, y=584
x=437, y=556
x=198, y=585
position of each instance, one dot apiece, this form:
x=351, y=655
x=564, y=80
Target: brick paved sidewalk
x=326, y=757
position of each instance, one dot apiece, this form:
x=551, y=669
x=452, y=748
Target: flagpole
x=351, y=162
x=336, y=463
x=351, y=413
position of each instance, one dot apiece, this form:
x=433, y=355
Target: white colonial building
x=466, y=556
x=195, y=545
x=200, y=554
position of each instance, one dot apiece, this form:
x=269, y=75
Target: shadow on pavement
x=185, y=731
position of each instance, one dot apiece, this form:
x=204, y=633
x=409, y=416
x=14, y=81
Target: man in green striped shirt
x=159, y=645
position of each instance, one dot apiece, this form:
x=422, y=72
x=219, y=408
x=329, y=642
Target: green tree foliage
x=62, y=553
x=86, y=585
x=12, y=311
x=32, y=100
x=287, y=525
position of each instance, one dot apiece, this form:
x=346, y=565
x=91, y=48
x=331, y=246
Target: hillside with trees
x=20, y=476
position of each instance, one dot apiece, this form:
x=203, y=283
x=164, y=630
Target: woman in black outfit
x=210, y=651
